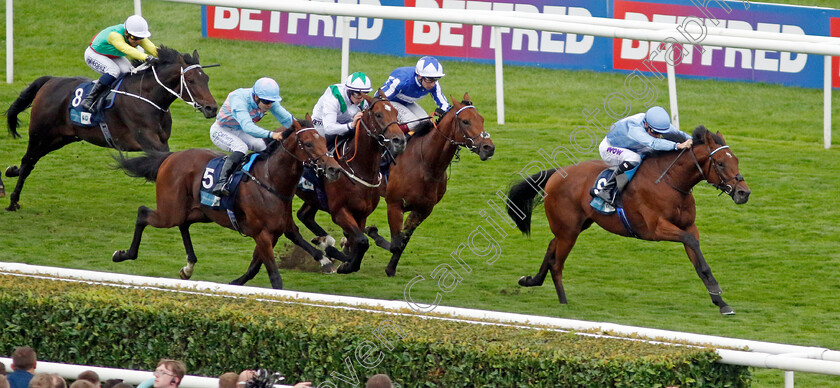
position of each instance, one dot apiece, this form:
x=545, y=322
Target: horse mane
x=274, y=145
x=425, y=126
x=701, y=131
x=168, y=55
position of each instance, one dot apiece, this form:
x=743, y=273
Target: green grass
x=775, y=257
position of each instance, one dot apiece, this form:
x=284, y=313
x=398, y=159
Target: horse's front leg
x=143, y=214
x=294, y=236
x=357, y=239
x=306, y=215
x=415, y=218
x=690, y=237
x=187, y=271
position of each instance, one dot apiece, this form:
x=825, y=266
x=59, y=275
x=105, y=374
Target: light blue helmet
x=658, y=119
x=429, y=67
x=267, y=89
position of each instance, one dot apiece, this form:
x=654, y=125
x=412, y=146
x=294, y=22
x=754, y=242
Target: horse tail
x=23, y=102
x=145, y=166
x=520, y=202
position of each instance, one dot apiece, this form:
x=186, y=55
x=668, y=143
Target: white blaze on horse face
x=388, y=108
x=728, y=154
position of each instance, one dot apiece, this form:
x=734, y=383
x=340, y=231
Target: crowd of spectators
x=168, y=374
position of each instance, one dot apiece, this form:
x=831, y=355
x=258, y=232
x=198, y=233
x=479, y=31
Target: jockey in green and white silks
x=108, y=49
x=406, y=85
x=235, y=129
x=340, y=107
x=633, y=136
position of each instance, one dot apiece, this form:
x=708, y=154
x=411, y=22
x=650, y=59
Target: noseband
x=379, y=137
x=723, y=185
x=312, y=161
x=469, y=142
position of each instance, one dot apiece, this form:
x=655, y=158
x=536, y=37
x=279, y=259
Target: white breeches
x=234, y=140
x=614, y=156
x=104, y=65
x=412, y=111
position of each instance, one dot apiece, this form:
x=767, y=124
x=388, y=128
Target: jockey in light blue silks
x=406, y=85
x=340, y=107
x=631, y=137
x=235, y=129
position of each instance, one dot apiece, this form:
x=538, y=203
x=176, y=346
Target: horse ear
x=467, y=97
x=454, y=100
x=308, y=116
x=381, y=94
x=195, y=56
x=721, y=136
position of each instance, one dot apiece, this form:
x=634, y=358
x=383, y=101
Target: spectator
x=47, y=380
x=81, y=384
x=4, y=382
x=91, y=376
x=3, y=371
x=168, y=374
x=228, y=380
x=111, y=383
x=379, y=381
x=263, y=379
x=23, y=367
x=122, y=385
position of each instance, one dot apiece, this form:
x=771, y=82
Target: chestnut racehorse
x=263, y=207
x=354, y=196
x=658, y=205
x=418, y=180
x=139, y=121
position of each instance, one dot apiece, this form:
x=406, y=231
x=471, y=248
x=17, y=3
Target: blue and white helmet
x=658, y=119
x=267, y=89
x=429, y=67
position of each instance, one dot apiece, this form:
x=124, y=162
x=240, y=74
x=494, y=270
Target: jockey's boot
x=619, y=180
x=99, y=86
x=232, y=161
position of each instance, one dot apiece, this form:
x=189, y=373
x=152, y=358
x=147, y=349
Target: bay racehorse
x=263, y=208
x=418, y=180
x=658, y=205
x=139, y=121
x=355, y=195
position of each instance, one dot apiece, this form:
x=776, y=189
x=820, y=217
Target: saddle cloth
x=311, y=182
x=211, y=176
x=83, y=118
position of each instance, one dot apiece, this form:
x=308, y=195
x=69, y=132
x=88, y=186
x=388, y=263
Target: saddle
x=605, y=186
x=82, y=118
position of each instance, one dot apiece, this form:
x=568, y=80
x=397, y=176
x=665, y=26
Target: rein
x=183, y=86
x=722, y=186
x=380, y=139
x=311, y=160
x=469, y=142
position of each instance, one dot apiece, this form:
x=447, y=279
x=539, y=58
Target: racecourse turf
x=776, y=257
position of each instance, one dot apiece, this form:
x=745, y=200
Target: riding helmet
x=658, y=119
x=135, y=25
x=429, y=67
x=267, y=89
x=358, y=81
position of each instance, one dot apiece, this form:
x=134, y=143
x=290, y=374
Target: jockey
x=629, y=138
x=340, y=107
x=108, y=49
x=235, y=129
x=406, y=85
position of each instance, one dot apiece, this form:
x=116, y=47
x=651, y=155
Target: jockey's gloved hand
x=439, y=112
x=150, y=60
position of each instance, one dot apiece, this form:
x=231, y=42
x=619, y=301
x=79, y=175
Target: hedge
x=80, y=323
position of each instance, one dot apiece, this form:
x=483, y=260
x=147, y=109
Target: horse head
x=720, y=164
x=312, y=148
x=468, y=128
x=380, y=119
x=183, y=76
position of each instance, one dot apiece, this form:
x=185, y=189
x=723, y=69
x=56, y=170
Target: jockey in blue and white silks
x=633, y=136
x=406, y=85
x=341, y=105
x=235, y=129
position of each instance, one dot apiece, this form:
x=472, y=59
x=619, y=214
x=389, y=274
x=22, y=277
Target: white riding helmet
x=429, y=67
x=358, y=82
x=135, y=25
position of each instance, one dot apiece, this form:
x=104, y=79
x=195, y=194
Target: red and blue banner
x=557, y=50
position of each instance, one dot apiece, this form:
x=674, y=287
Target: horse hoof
x=523, y=281
x=118, y=256
x=371, y=229
x=347, y=268
x=13, y=206
x=327, y=266
x=12, y=171
x=183, y=275
x=726, y=310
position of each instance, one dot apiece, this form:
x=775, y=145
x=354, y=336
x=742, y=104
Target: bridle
x=312, y=161
x=723, y=185
x=378, y=137
x=183, y=86
x=469, y=142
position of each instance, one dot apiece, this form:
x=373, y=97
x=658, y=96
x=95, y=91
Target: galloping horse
x=139, y=120
x=354, y=196
x=418, y=181
x=655, y=212
x=263, y=209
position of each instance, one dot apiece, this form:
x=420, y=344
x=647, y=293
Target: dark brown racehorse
x=139, y=120
x=354, y=196
x=658, y=204
x=263, y=207
x=418, y=181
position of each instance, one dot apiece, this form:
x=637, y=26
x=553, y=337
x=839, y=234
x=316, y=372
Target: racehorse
x=139, y=120
x=263, y=208
x=418, y=180
x=654, y=211
x=354, y=196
